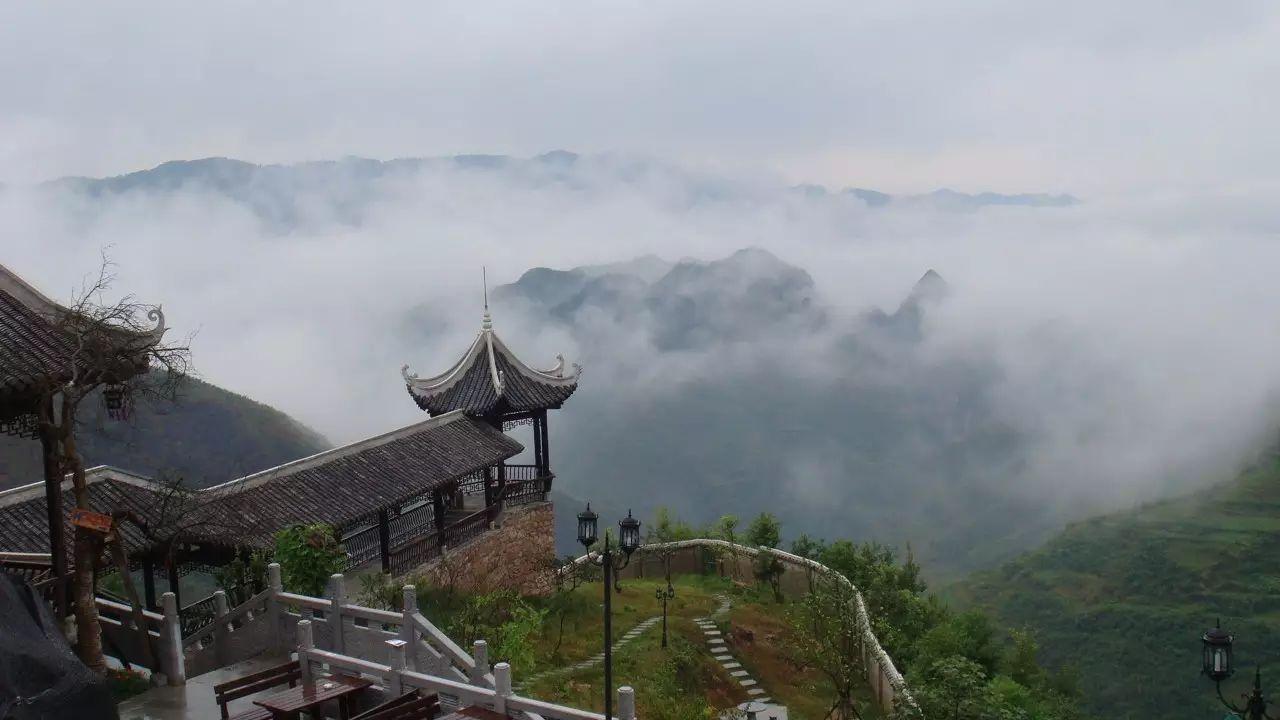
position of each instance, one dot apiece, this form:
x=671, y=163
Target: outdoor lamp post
x=664, y=596
x=1217, y=664
x=628, y=540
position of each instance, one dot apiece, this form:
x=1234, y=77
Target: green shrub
x=308, y=555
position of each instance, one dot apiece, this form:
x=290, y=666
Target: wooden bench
x=410, y=706
x=290, y=672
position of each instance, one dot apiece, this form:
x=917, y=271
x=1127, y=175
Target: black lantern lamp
x=1218, y=664
x=608, y=559
x=115, y=400
x=1217, y=654
x=587, y=522
x=629, y=534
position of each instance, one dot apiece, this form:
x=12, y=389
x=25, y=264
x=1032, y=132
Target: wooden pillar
x=538, y=455
x=437, y=507
x=384, y=540
x=501, y=492
x=488, y=491
x=53, y=507
x=546, y=448
x=149, y=582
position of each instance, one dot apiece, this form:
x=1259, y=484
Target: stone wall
x=517, y=553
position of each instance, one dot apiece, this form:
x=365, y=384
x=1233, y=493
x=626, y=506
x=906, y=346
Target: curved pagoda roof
x=490, y=378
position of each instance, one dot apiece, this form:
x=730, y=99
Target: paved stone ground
x=720, y=651
x=194, y=701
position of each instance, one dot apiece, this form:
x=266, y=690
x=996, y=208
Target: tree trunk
x=88, y=629
x=55, y=513
x=120, y=556
x=87, y=547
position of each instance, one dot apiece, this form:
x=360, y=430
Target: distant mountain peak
x=562, y=158
x=929, y=288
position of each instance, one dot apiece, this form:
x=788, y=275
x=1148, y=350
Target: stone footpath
x=720, y=651
x=598, y=657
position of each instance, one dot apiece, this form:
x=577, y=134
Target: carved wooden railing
x=362, y=546
x=415, y=552
x=197, y=615
x=412, y=523
x=524, y=472
x=414, y=538
x=466, y=528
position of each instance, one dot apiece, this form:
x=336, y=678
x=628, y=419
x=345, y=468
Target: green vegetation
x=206, y=436
x=960, y=666
x=1124, y=598
x=308, y=555
x=804, y=650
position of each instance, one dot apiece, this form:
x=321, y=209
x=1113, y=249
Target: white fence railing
x=886, y=682
x=399, y=650
x=405, y=650
x=121, y=636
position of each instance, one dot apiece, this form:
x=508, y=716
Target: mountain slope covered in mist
x=1124, y=597
x=742, y=392
x=348, y=190
x=209, y=435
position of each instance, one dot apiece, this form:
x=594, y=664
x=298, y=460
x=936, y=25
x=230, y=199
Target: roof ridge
x=261, y=476
x=95, y=474
x=435, y=382
x=535, y=374
x=27, y=294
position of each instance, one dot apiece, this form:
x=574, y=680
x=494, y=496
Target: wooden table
x=473, y=712
x=294, y=701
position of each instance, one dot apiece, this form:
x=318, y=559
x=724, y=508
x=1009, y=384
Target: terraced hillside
x=1125, y=597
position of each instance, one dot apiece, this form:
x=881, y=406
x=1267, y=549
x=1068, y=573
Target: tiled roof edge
x=249, y=481
x=98, y=473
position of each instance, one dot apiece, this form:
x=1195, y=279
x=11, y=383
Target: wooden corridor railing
x=413, y=538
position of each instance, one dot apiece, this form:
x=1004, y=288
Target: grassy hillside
x=1125, y=597
x=680, y=682
x=206, y=436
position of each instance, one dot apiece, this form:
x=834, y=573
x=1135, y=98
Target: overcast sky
x=1086, y=97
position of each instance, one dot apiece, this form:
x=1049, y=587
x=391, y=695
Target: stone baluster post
x=275, y=608
x=408, y=630
x=396, y=659
x=479, y=652
x=501, y=683
x=220, y=629
x=171, y=657
x=626, y=703
x=337, y=592
x=306, y=643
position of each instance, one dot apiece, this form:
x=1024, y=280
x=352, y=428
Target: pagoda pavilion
x=494, y=386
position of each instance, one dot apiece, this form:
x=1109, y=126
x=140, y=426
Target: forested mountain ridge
x=1125, y=597
x=207, y=436
x=727, y=385
x=348, y=190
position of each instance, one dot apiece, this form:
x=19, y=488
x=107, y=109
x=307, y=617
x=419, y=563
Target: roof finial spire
x=484, y=280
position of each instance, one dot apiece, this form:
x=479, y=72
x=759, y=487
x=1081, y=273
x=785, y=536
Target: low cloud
x=1130, y=344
